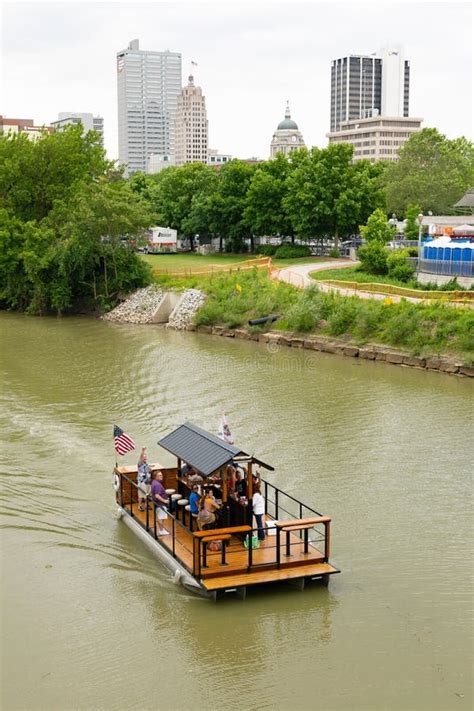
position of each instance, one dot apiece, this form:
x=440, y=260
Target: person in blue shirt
x=194, y=499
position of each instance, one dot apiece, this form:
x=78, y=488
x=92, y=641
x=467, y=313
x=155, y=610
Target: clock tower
x=287, y=136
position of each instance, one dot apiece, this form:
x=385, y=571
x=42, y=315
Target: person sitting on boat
x=241, y=484
x=194, y=499
x=143, y=479
x=258, y=505
x=158, y=494
x=207, y=508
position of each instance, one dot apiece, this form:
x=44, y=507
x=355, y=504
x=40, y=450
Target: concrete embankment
x=327, y=344
x=154, y=305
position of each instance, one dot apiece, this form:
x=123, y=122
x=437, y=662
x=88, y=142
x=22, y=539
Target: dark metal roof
x=203, y=451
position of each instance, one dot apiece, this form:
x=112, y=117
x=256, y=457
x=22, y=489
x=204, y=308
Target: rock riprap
x=139, y=307
x=184, y=313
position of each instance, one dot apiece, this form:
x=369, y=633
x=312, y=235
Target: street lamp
x=420, y=221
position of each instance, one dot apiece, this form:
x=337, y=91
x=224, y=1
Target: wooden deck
x=235, y=573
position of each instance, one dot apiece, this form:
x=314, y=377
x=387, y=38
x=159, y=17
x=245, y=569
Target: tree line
x=314, y=193
x=69, y=219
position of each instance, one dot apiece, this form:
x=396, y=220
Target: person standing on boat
x=143, y=479
x=258, y=505
x=158, y=494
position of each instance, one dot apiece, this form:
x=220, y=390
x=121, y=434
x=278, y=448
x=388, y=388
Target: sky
x=252, y=57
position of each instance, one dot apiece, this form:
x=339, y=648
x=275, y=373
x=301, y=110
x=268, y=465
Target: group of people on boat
x=203, y=504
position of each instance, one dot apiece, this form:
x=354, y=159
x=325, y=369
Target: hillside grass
x=233, y=299
x=356, y=274
x=200, y=262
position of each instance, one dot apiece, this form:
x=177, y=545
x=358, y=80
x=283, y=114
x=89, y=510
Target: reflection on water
x=99, y=624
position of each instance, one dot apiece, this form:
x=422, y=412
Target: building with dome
x=287, y=136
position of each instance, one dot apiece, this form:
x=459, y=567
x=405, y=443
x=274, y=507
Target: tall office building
x=89, y=122
x=191, y=125
x=364, y=86
x=148, y=85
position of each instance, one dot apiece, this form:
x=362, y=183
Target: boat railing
x=278, y=503
x=128, y=486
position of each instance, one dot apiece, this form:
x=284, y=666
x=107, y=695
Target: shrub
x=288, y=251
x=398, y=267
x=267, y=250
x=377, y=228
x=343, y=316
x=334, y=253
x=373, y=257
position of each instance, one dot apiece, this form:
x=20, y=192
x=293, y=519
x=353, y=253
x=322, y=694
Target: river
x=90, y=619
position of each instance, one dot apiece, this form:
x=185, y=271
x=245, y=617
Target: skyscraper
x=191, y=125
x=148, y=84
x=364, y=86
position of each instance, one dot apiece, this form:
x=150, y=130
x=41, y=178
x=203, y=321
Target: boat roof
x=202, y=450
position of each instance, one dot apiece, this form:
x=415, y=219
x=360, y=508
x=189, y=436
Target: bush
x=373, y=257
x=398, y=267
x=334, y=253
x=343, y=316
x=288, y=251
x=267, y=250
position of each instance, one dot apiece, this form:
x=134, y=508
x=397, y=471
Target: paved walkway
x=298, y=275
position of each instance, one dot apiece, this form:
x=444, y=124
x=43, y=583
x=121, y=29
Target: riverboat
x=229, y=557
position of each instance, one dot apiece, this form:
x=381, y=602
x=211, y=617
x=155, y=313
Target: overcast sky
x=252, y=57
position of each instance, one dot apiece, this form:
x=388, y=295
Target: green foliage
x=67, y=225
x=398, y=267
x=377, y=228
x=265, y=211
x=373, y=257
x=327, y=194
x=433, y=172
x=417, y=327
x=334, y=253
x=267, y=250
x=288, y=251
x=412, y=225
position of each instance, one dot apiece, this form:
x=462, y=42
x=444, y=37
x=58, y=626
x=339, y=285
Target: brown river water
x=91, y=620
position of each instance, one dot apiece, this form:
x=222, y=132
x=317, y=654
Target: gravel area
x=139, y=307
x=183, y=314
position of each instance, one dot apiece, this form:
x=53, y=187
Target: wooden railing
x=303, y=524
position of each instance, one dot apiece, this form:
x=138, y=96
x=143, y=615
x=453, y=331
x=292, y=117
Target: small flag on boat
x=123, y=443
x=224, y=431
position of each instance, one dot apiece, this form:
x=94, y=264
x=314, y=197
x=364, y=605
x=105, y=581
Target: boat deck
x=236, y=573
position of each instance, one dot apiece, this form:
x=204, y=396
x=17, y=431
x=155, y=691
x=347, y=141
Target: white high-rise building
x=148, y=85
x=191, y=125
x=365, y=86
x=89, y=122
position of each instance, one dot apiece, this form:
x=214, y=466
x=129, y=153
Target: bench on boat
x=304, y=524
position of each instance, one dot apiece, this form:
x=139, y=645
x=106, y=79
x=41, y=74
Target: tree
x=66, y=226
x=34, y=174
x=412, y=225
x=377, y=232
x=432, y=171
x=177, y=187
x=265, y=211
x=328, y=195
x=229, y=203
x=377, y=228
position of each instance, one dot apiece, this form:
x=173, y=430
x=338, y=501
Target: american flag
x=123, y=443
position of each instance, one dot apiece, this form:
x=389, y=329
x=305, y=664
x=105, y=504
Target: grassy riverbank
x=235, y=298
x=355, y=274
x=199, y=262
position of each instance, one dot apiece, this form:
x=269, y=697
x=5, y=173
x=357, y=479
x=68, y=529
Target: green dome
x=287, y=123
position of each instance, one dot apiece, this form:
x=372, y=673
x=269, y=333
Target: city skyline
x=250, y=61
